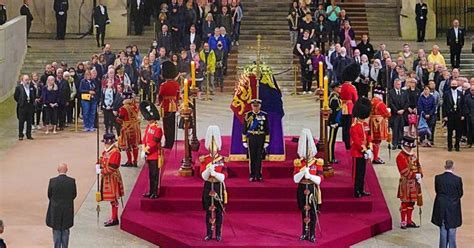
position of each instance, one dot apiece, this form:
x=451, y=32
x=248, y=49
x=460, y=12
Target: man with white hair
x=378, y=123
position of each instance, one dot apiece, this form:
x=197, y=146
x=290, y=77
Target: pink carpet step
x=271, y=205
x=238, y=188
x=252, y=230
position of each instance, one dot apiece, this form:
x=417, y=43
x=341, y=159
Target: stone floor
x=27, y=217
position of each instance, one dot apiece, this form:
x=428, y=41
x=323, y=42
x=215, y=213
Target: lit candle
x=326, y=92
x=193, y=74
x=321, y=72
x=186, y=95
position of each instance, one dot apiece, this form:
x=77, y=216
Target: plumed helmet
x=362, y=108
x=350, y=72
x=169, y=70
x=306, y=145
x=149, y=111
x=213, y=141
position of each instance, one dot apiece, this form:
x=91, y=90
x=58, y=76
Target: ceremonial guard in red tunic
x=168, y=98
x=348, y=98
x=214, y=172
x=361, y=144
x=256, y=138
x=152, y=152
x=378, y=123
x=334, y=120
x=130, y=134
x=111, y=185
x=409, y=188
x=308, y=173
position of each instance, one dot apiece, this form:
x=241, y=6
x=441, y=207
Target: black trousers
x=28, y=27
x=360, y=164
x=420, y=30
x=346, y=122
x=333, y=31
x=169, y=127
x=397, y=122
x=61, y=21
x=153, y=175
x=108, y=120
x=255, y=143
x=25, y=114
x=70, y=112
x=207, y=203
x=138, y=23
x=301, y=198
x=470, y=130
x=332, y=142
x=455, y=52
x=454, y=124
x=61, y=116
x=100, y=34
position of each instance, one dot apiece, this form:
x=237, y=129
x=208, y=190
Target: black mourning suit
x=397, y=100
x=25, y=10
x=455, y=44
x=421, y=11
x=453, y=111
x=61, y=7
x=100, y=20
x=25, y=107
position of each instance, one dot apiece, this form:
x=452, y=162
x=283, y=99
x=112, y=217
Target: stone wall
x=12, y=54
x=45, y=17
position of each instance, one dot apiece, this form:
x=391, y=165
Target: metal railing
x=448, y=10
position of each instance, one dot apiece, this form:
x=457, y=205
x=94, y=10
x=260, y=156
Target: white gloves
x=368, y=154
x=143, y=154
x=108, y=22
x=265, y=145
x=61, y=12
x=245, y=145
x=97, y=26
x=307, y=175
x=334, y=125
x=213, y=173
x=389, y=110
x=97, y=169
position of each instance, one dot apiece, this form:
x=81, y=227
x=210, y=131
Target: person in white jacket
x=308, y=173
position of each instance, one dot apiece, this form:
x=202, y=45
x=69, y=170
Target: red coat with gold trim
x=348, y=97
x=219, y=161
x=168, y=96
x=408, y=187
x=314, y=169
x=152, y=141
x=361, y=140
x=128, y=117
x=379, y=120
x=111, y=180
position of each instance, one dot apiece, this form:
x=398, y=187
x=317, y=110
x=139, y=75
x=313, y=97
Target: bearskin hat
x=169, y=70
x=362, y=108
x=350, y=72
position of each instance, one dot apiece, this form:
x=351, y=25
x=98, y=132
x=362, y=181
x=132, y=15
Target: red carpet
x=258, y=214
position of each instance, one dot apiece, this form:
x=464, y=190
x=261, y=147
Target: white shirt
x=27, y=90
x=454, y=93
x=456, y=31
x=192, y=36
x=138, y=4
x=102, y=9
